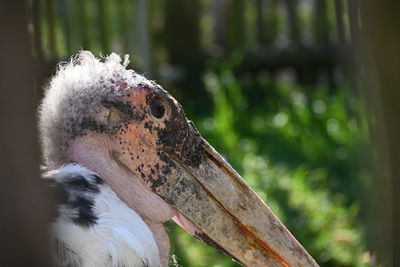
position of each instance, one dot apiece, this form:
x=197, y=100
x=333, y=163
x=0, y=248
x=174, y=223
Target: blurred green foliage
x=302, y=144
x=303, y=153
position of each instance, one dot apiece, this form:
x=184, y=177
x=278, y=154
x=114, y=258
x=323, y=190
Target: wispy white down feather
x=76, y=87
x=118, y=238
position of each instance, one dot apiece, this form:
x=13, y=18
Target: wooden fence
x=173, y=39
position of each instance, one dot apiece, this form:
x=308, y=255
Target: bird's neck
x=130, y=189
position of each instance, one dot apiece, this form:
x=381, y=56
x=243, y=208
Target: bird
x=122, y=158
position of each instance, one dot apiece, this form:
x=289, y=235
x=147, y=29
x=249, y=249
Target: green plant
x=302, y=153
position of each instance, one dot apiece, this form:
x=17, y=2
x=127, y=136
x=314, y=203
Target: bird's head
x=136, y=135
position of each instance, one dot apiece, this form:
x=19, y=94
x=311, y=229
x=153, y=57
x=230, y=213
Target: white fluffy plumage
x=116, y=236
x=77, y=86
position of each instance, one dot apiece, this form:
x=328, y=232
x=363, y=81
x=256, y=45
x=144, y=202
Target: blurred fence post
x=293, y=21
x=182, y=40
x=236, y=25
x=83, y=24
x=125, y=35
x=37, y=31
x=380, y=20
x=260, y=22
x=104, y=31
x=51, y=27
x=24, y=205
x=321, y=22
x=63, y=10
x=340, y=28
x=271, y=21
x=220, y=18
x=142, y=28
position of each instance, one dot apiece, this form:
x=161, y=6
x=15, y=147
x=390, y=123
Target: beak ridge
x=219, y=208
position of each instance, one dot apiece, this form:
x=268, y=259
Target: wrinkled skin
x=145, y=135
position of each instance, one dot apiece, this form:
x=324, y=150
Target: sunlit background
x=271, y=84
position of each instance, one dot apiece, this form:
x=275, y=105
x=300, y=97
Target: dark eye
x=157, y=108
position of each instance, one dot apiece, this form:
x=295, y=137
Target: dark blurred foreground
x=294, y=115
x=23, y=204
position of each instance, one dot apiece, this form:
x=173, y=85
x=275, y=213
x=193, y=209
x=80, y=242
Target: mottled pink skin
x=90, y=152
x=129, y=161
x=142, y=156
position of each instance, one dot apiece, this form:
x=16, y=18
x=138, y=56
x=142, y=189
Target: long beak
x=221, y=209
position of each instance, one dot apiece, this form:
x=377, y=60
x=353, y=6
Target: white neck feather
x=131, y=190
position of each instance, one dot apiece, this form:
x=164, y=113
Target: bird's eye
x=157, y=108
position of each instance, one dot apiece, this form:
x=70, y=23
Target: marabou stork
x=123, y=159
